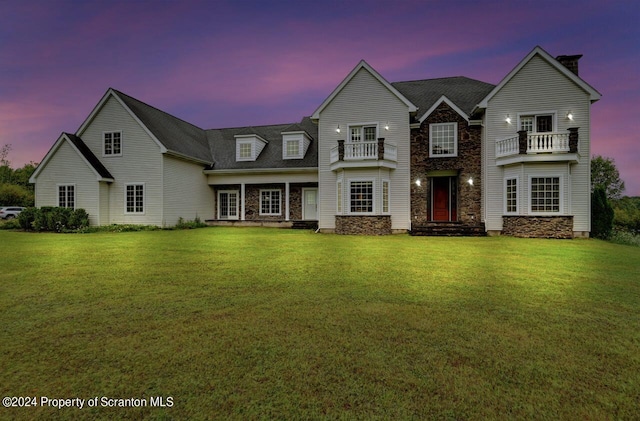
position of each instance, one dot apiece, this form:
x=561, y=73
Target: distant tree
x=5, y=165
x=21, y=175
x=605, y=174
x=601, y=214
x=627, y=214
x=15, y=195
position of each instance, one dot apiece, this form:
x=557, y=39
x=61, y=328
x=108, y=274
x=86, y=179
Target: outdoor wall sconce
x=386, y=126
x=508, y=119
x=338, y=129
x=570, y=115
x=470, y=181
x=418, y=183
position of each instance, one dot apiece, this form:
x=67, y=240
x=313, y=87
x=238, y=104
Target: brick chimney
x=570, y=62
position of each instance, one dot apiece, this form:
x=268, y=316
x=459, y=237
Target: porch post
x=286, y=205
x=522, y=142
x=573, y=139
x=242, y=202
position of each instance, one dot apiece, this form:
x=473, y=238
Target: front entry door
x=443, y=199
x=310, y=204
x=228, y=204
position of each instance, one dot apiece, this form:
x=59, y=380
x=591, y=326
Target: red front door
x=443, y=191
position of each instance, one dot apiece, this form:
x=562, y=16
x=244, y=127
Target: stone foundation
x=538, y=226
x=363, y=224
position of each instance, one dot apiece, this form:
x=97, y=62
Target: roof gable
x=89, y=158
x=362, y=65
x=538, y=51
x=172, y=135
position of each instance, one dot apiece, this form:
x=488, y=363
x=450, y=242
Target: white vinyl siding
x=67, y=196
x=112, y=142
x=186, y=192
x=142, y=163
x=66, y=166
x=346, y=109
x=270, y=203
x=443, y=140
x=538, y=89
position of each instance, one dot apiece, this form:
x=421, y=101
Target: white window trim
x=554, y=117
x=455, y=140
x=373, y=196
x=74, y=193
x=144, y=199
x=362, y=125
x=279, y=202
x=104, y=154
x=517, y=211
x=253, y=150
x=339, y=196
x=561, y=210
x=285, y=154
x=237, y=216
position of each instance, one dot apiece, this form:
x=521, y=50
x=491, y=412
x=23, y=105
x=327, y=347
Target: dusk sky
x=236, y=63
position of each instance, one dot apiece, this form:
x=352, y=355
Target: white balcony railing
x=536, y=143
x=361, y=151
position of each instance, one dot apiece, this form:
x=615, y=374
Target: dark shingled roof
x=175, y=134
x=89, y=156
x=464, y=92
x=223, y=146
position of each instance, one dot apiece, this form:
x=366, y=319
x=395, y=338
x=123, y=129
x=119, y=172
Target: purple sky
x=236, y=63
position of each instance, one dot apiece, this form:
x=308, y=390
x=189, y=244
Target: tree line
x=15, y=189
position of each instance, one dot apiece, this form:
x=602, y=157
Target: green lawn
x=280, y=324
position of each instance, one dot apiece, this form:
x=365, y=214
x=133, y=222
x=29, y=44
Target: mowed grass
x=236, y=323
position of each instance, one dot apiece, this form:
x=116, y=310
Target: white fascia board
x=447, y=101
x=187, y=158
x=63, y=138
x=594, y=95
x=362, y=65
x=239, y=171
x=110, y=92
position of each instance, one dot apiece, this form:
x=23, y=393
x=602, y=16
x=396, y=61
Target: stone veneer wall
x=363, y=224
x=252, y=202
x=466, y=164
x=538, y=226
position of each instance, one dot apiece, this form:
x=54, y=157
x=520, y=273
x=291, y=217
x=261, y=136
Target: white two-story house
x=434, y=156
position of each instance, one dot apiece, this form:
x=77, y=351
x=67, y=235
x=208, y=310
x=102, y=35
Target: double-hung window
x=443, y=139
x=112, y=143
x=270, y=202
x=545, y=194
x=67, y=196
x=361, y=196
x=134, y=198
x=511, y=195
x=293, y=148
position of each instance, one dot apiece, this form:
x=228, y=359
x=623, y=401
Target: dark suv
x=10, y=212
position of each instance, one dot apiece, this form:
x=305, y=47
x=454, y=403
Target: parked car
x=10, y=212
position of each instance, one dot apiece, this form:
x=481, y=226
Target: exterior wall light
x=470, y=181
x=338, y=129
x=570, y=115
x=508, y=119
x=418, y=183
x=386, y=126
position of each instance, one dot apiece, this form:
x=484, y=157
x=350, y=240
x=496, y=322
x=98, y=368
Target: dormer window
x=248, y=147
x=295, y=144
x=112, y=143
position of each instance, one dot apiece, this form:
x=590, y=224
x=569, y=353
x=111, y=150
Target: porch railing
x=359, y=151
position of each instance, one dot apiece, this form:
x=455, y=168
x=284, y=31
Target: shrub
x=601, y=214
x=196, y=223
x=53, y=219
x=625, y=237
x=26, y=218
x=10, y=224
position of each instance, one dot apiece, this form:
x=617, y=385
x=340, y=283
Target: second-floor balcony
x=550, y=146
x=363, y=154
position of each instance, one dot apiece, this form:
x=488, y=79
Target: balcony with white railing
x=549, y=146
x=363, y=154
